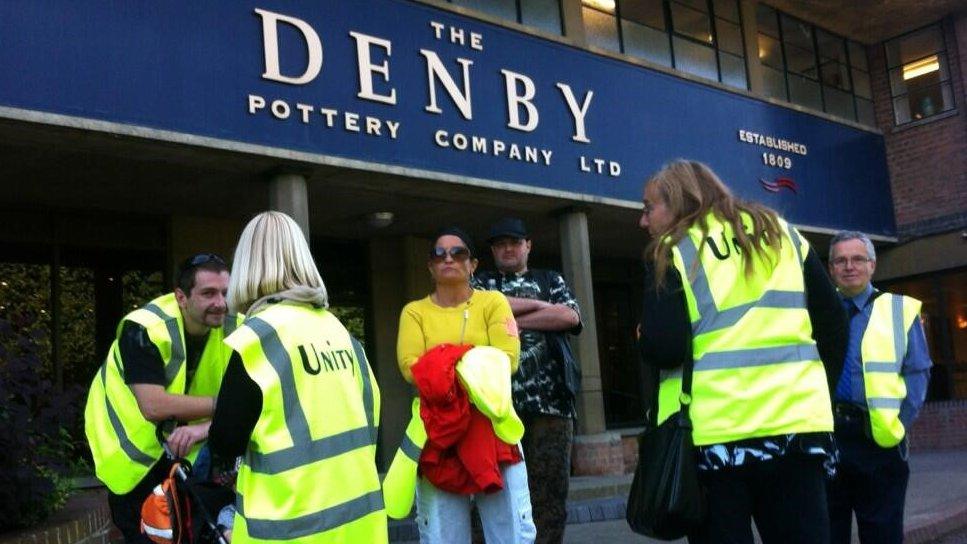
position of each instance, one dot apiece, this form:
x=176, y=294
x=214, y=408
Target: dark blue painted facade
x=191, y=67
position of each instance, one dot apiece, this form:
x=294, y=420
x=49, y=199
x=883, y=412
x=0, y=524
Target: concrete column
x=573, y=20
x=386, y=273
x=576, y=264
x=398, y=274
x=416, y=276
x=289, y=193
x=750, y=36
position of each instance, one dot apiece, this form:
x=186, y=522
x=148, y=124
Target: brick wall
x=941, y=425
x=928, y=162
x=596, y=455
x=84, y=520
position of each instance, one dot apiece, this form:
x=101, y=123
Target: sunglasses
x=457, y=253
x=202, y=259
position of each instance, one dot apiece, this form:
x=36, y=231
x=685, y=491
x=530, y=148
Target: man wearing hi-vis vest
x=166, y=363
x=879, y=394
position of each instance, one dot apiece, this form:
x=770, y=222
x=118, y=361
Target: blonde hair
x=272, y=256
x=692, y=191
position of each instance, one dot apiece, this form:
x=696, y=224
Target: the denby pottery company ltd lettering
x=450, y=85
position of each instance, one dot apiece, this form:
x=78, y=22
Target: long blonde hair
x=692, y=191
x=272, y=256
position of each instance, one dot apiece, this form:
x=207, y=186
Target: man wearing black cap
x=545, y=311
x=166, y=363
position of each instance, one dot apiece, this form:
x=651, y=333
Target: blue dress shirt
x=916, y=362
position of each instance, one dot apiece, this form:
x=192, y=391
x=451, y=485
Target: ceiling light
x=379, y=220
x=603, y=5
x=921, y=67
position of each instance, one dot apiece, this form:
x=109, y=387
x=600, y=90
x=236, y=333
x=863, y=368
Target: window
x=919, y=75
x=541, y=14
x=700, y=37
x=66, y=308
x=944, y=317
x=812, y=67
x=863, y=93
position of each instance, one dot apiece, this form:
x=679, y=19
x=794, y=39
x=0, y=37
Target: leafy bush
x=37, y=453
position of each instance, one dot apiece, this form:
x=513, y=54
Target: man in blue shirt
x=878, y=395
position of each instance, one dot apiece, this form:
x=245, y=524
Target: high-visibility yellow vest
x=757, y=371
x=122, y=441
x=309, y=474
x=399, y=485
x=883, y=348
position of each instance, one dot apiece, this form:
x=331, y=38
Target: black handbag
x=666, y=499
x=561, y=351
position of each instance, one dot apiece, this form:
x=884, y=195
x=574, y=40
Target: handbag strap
x=685, y=399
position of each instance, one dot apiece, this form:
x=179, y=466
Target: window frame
x=851, y=65
x=671, y=34
x=520, y=15
x=940, y=114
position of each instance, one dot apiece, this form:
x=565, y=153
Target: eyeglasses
x=201, y=259
x=457, y=253
x=858, y=260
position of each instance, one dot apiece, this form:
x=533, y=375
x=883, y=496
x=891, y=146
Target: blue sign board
x=402, y=84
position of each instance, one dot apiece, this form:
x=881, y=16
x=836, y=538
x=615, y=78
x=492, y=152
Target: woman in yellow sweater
x=454, y=313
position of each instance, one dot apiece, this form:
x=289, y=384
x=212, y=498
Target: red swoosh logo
x=780, y=183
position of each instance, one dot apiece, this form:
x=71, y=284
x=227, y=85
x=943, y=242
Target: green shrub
x=37, y=453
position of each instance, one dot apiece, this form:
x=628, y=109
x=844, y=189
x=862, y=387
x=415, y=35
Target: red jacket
x=462, y=454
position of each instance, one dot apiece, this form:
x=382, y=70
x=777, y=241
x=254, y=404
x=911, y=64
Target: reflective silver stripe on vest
x=314, y=523
x=129, y=448
x=229, y=325
x=710, y=318
x=304, y=450
x=410, y=449
x=796, y=242
x=891, y=368
x=177, y=346
x=899, y=336
x=309, y=452
x=743, y=358
x=884, y=403
x=368, y=401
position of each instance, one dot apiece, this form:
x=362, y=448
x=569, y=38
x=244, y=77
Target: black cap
x=508, y=227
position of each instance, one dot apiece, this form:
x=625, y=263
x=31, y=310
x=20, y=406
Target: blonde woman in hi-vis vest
x=299, y=401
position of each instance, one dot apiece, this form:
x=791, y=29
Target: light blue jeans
x=444, y=517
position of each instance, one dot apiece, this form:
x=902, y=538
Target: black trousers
x=126, y=509
x=871, y=482
x=786, y=497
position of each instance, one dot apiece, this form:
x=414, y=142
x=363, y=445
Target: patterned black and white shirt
x=538, y=385
x=757, y=450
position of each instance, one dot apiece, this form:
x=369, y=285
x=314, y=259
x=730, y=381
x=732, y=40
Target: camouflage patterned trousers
x=547, y=452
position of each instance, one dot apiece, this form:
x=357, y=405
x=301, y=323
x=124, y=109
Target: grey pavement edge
x=936, y=504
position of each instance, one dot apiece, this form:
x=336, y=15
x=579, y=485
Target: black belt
x=848, y=410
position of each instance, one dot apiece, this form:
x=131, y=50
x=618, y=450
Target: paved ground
x=936, y=505
x=960, y=537
x=936, y=511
